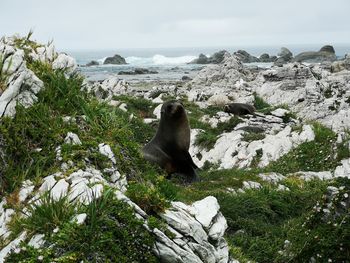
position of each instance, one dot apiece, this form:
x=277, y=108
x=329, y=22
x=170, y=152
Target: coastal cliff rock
x=92, y=63
x=314, y=93
x=245, y=57
x=326, y=53
x=115, y=60
x=284, y=56
x=216, y=58
x=138, y=71
x=267, y=58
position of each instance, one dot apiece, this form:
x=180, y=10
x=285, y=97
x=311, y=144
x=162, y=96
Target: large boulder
x=245, y=57
x=284, y=56
x=202, y=59
x=267, y=58
x=326, y=53
x=138, y=71
x=341, y=65
x=92, y=63
x=115, y=60
x=310, y=91
x=216, y=58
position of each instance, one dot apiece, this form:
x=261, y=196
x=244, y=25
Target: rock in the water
x=245, y=57
x=327, y=48
x=284, y=56
x=216, y=58
x=186, y=78
x=138, y=71
x=202, y=59
x=92, y=63
x=326, y=53
x=267, y=58
x=115, y=60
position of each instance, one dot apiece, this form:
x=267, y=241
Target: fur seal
x=169, y=147
x=239, y=108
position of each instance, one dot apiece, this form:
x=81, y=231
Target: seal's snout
x=176, y=107
x=226, y=108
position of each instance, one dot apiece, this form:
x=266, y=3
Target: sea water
x=171, y=63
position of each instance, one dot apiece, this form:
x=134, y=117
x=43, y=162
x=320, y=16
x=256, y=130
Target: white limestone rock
x=59, y=190
x=37, y=241
x=218, y=227
x=222, y=251
x=307, y=176
x=21, y=88
x=205, y=210
x=123, y=107
x=206, y=251
x=157, y=110
x=183, y=222
x=149, y=120
x=158, y=100
x=26, y=190
x=218, y=100
x=11, y=246
x=106, y=150
x=273, y=178
x=80, y=219
x=280, y=112
x=169, y=252
x=63, y=61
x=282, y=187
x=5, y=218
x=72, y=138
x=221, y=75
x=343, y=170
x=49, y=182
x=251, y=185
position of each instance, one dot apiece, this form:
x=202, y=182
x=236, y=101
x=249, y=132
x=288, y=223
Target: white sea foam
x=159, y=60
x=162, y=60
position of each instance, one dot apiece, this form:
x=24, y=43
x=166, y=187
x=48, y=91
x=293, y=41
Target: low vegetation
x=264, y=225
x=110, y=233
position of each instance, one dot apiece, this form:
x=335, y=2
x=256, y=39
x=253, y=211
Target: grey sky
x=105, y=24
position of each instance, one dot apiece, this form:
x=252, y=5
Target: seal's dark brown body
x=169, y=147
x=239, y=108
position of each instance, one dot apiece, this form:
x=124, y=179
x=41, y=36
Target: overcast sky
x=107, y=24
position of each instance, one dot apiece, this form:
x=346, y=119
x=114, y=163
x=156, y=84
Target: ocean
x=171, y=63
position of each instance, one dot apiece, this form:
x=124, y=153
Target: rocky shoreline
x=97, y=127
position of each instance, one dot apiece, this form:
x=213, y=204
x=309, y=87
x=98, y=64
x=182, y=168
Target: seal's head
x=172, y=110
x=226, y=108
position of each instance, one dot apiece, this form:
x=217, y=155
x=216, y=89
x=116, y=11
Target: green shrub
x=147, y=196
x=324, y=232
x=111, y=233
x=259, y=103
x=320, y=154
x=46, y=215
